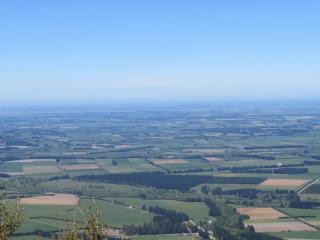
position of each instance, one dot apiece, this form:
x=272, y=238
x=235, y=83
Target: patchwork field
x=195, y=210
x=116, y=215
x=40, y=169
x=213, y=159
x=261, y=213
x=170, y=161
x=83, y=166
x=48, y=218
x=152, y=169
x=303, y=235
x=122, y=146
x=273, y=227
x=205, y=150
x=33, y=160
x=127, y=165
x=311, y=216
x=165, y=237
x=284, y=182
x=51, y=199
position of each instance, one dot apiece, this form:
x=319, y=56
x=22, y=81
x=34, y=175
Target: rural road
x=308, y=185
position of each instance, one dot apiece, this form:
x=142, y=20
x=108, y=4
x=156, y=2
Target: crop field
x=47, y=217
x=310, y=216
x=203, y=167
x=84, y=166
x=165, y=237
x=205, y=150
x=261, y=213
x=51, y=199
x=33, y=160
x=170, y=161
x=282, y=227
x=213, y=159
x=284, y=182
x=180, y=164
x=40, y=169
x=127, y=165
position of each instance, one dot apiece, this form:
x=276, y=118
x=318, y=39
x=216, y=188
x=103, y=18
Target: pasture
x=195, y=210
x=116, y=215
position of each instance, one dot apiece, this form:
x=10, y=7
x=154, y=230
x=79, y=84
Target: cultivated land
x=282, y=227
x=40, y=169
x=32, y=160
x=51, y=199
x=284, y=182
x=213, y=159
x=83, y=166
x=170, y=161
x=261, y=213
x=139, y=166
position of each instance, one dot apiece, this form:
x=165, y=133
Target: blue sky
x=161, y=50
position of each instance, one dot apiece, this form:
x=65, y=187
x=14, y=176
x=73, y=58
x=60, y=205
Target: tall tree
x=11, y=217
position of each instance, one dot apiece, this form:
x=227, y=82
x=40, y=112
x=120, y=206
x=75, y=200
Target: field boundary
x=314, y=181
x=297, y=218
x=156, y=165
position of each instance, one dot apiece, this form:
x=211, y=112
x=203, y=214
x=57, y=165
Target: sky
x=160, y=50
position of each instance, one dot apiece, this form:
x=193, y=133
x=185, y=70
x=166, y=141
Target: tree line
x=165, y=222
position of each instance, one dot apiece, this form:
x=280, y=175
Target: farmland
x=251, y=171
x=50, y=199
x=261, y=213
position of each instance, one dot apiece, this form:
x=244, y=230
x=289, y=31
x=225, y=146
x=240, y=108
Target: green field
x=195, y=210
x=124, y=143
x=299, y=235
x=127, y=165
x=47, y=218
x=116, y=215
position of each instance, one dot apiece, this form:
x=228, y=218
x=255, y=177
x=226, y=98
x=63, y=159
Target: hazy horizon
x=165, y=51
